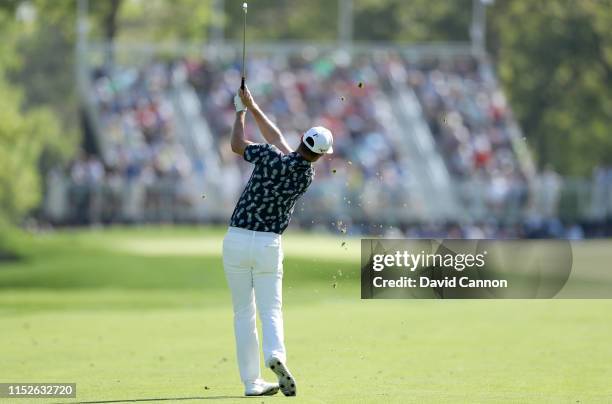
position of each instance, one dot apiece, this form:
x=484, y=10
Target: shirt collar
x=300, y=160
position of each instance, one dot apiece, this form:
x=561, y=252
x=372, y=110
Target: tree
x=25, y=133
x=555, y=62
x=412, y=21
x=289, y=20
x=161, y=20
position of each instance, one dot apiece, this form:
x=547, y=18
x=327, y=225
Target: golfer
x=252, y=251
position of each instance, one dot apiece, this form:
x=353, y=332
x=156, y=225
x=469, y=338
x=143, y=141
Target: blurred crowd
x=144, y=164
x=298, y=92
x=145, y=170
x=303, y=90
x=470, y=119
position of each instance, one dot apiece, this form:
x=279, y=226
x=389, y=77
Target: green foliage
x=161, y=20
x=412, y=21
x=23, y=137
x=313, y=20
x=46, y=76
x=555, y=62
x=8, y=57
x=25, y=133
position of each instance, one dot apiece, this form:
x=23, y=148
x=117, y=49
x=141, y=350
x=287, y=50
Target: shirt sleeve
x=259, y=152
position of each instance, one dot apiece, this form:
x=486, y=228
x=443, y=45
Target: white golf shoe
x=260, y=388
x=285, y=380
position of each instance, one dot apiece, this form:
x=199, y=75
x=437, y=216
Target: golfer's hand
x=246, y=97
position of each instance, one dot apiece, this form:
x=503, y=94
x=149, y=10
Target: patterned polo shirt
x=277, y=181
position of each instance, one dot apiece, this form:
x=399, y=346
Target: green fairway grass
x=144, y=314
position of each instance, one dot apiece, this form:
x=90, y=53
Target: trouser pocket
x=269, y=258
x=235, y=253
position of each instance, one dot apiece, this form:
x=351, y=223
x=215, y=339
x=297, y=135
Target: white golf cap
x=319, y=140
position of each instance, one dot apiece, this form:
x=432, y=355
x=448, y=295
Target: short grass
x=143, y=314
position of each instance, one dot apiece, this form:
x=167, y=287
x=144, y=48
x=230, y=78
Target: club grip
x=242, y=84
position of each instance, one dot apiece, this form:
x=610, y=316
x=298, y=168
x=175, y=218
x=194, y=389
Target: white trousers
x=253, y=264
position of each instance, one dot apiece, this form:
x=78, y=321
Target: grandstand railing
x=137, y=52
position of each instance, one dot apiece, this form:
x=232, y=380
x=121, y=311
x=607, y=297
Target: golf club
x=244, y=8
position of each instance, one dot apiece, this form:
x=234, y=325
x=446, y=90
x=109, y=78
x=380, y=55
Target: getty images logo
x=412, y=262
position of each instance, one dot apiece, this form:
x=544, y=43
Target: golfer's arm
x=237, y=141
x=269, y=131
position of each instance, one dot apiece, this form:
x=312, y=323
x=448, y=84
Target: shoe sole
x=286, y=382
x=272, y=391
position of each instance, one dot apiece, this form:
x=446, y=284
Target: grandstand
x=427, y=146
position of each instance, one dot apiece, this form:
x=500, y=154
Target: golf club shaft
x=243, y=49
